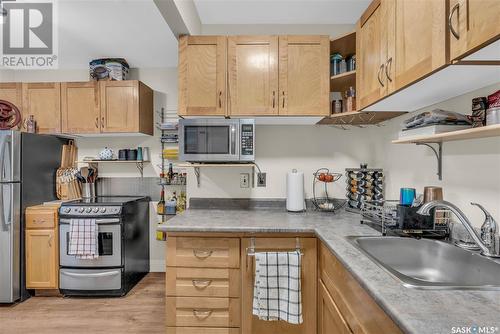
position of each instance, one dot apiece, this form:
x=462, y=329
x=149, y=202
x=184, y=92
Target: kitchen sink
x=430, y=264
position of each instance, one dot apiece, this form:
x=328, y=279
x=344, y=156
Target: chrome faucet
x=486, y=249
x=488, y=229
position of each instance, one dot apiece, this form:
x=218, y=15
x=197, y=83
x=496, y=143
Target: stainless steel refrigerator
x=28, y=164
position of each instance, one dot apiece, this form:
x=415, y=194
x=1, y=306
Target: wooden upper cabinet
x=202, y=75
x=43, y=101
x=126, y=106
x=419, y=43
x=253, y=75
x=12, y=92
x=80, y=107
x=371, y=54
x=472, y=24
x=304, y=82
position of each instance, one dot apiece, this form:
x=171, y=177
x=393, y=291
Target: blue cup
x=406, y=196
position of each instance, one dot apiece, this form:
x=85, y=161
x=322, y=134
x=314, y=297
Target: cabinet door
x=330, y=320
x=473, y=24
x=43, y=101
x=420, y=41
x=202, y=75
x=253, y=75
x=12, y=92
x=119, y=106
x=304, y=83
x=250, y=324
x=41, y=259
x=80, y=107
x=371, y=53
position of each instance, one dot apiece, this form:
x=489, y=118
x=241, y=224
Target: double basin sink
x=430, y=264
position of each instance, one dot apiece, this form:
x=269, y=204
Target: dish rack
x=321, y=178
x=385, y=214
x=363, y=184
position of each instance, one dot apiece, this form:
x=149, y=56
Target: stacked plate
x=363, y=184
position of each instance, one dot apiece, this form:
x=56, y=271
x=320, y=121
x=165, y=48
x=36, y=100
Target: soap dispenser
x=488, y=229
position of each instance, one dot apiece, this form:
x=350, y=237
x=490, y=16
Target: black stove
x=122, y=240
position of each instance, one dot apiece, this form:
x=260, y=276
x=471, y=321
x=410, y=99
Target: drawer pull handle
x=201, y=284
x=202, y=315
x=202, y=254
x=39, y=221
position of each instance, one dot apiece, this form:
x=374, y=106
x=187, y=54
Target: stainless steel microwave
x=217, y=140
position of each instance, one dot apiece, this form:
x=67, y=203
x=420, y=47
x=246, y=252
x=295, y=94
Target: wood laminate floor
x=142, y=310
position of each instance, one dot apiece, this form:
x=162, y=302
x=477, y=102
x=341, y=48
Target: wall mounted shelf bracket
x=439, y=156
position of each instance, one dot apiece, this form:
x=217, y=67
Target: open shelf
x=472, y=133
x=138, y=163
x=341, y=82
x=359, y=118
x=344, y=44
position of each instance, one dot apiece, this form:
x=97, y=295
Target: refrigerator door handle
x=3, y=143
x=3, y=222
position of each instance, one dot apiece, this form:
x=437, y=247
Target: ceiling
x=130, y=29
x=280, y=11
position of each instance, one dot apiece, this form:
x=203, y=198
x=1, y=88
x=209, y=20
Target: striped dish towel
x=83, y=236
x=277, y=291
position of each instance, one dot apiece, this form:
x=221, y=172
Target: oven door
x=109, y=245
x=209, y=140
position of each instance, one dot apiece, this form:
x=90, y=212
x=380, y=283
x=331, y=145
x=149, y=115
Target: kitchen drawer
x=202, y=330
x=203, y=312
x=41, y=218
x=355, y=305
x=203, y=252
x=203, y=282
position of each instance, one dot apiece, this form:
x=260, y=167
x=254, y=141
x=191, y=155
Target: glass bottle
x=160, y=209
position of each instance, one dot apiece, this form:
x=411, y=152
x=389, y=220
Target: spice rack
x=169, y=140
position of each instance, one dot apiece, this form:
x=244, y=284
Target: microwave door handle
x=232, y=144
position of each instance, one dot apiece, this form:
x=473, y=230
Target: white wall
x=470, y=168
x=333, y=30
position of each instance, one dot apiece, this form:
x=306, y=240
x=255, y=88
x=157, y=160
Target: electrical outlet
x=244, y=180
x=261, y=179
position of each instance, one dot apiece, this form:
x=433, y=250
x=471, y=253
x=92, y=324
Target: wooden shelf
x=109, y=161
x=138, y=163
x=341, y=82
x=198, y=165
x=472, y=133
x=344, y=44
x=359, y=118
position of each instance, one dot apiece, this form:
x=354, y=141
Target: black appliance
x=123, y=246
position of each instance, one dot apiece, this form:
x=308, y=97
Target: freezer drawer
x=90, y=279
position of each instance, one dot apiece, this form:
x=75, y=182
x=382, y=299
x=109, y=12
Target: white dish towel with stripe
x=83, y=235
x=277, y=291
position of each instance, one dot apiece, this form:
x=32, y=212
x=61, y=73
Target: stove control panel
x=83, y=211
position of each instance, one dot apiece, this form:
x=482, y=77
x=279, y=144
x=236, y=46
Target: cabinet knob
x=201, y=284
x=455, y=8
x=202, y=314
x=388, y=67
x=202, y=254
x=379, y=73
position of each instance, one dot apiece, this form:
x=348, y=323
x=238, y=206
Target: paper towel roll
x=295, y=191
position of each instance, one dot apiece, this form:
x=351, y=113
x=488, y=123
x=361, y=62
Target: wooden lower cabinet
x=330, y=320
x=42, y=248
x=250, y=324
x=208, y=291
x=358, y=309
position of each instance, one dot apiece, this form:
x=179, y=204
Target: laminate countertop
x=415, y=311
